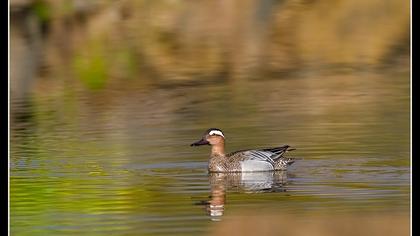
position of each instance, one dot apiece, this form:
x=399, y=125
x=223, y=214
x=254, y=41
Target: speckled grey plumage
x=267, y=159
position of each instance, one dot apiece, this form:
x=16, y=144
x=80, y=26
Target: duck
x=249, y=160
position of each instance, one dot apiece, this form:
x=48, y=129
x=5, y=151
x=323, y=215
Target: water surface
x=118, y=161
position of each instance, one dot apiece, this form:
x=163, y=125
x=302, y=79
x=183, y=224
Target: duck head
x=212, y=137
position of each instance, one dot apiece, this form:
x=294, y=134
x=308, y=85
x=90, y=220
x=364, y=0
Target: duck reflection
x=248, y=182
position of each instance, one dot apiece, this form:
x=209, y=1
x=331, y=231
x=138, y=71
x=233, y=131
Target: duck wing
x=252, y=155
x=266, y=154
x=277, y=152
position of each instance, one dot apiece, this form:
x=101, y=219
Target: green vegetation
x=91, y=65
x=42, y=10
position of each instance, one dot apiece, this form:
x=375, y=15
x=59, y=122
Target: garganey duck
x=266, y=159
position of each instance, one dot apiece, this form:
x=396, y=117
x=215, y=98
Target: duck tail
x=290, y=149
x=283, y=162
x=289, y=161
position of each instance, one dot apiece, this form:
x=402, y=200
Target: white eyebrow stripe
x=217, y=132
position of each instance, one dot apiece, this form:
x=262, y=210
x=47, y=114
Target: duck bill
x=200, y=142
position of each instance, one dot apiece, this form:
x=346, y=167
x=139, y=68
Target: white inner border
x=217, y=132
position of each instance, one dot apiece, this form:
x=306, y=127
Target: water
x=117, y=161
x=107, y=96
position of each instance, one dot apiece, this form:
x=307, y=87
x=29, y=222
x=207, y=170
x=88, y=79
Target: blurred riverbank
x=103, y=43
